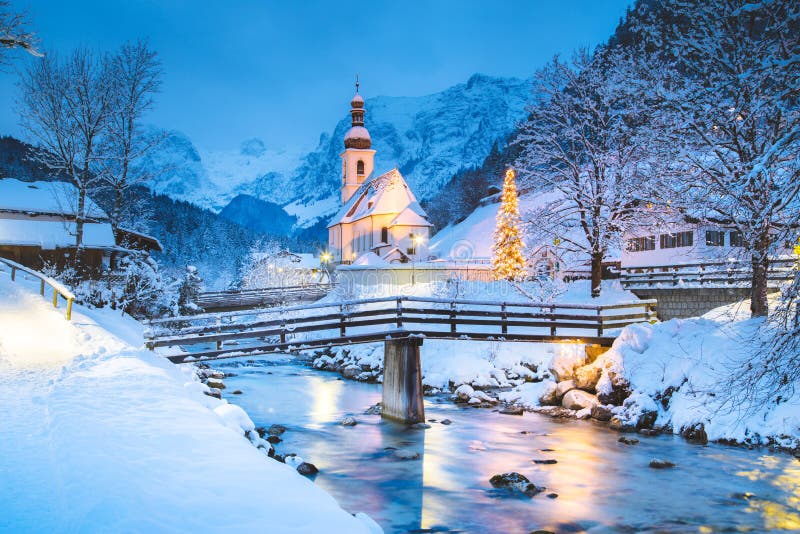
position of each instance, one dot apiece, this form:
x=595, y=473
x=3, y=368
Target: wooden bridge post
x=399, y=312
x=402, y=381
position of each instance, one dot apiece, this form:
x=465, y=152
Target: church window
x=360, y=168
x=384, y=235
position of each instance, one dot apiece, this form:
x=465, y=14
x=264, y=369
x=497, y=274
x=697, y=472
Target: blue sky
x=283, y=71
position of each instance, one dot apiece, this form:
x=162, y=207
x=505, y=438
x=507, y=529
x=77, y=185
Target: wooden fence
x=59, y=290
x=239, y=299
x=370, y=320
x=716, y=274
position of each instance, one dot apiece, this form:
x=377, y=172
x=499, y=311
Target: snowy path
x=98, y=435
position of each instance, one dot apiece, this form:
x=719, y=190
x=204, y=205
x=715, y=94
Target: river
x=601, y=485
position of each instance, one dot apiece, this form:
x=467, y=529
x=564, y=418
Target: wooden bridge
x=401, y=323
x=242, y=299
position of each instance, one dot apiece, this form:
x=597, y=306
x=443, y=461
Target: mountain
x=428, y=138
x=259, y=215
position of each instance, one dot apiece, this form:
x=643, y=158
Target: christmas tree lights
x=507, y=260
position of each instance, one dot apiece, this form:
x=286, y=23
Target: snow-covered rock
x=576, y=399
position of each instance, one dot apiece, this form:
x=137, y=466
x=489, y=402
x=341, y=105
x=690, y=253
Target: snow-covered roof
x=54, y=198
x=385, y=194
x=51, y=235
x=371, y=259
x=409, y=217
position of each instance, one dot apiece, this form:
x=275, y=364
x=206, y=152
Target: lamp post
x=325, y=258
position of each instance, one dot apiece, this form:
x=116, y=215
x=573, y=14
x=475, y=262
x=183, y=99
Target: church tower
x=358, y=157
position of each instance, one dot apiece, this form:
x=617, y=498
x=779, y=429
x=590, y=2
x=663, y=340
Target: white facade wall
x=699, y=252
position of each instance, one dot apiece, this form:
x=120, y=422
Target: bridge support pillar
x=402, y=381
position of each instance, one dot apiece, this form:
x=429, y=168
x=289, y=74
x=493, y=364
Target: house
x=680, y=242
x=379, y=214
x=37, y=227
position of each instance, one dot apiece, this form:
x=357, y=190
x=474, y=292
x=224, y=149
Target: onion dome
x=357, y=136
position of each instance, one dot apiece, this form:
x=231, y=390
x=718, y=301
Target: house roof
x=409, y=217
x=381, y=195
x=51, y=198
x=50, y=235
x=138, y=239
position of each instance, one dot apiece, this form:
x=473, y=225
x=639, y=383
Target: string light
x=507, y=260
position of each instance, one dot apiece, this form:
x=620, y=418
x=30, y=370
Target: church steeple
x=357, y=158
x=357, y=136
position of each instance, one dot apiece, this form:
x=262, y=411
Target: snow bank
x=682, y=368
x=98, y=435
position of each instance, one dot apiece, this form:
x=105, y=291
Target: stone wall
x=681, y=303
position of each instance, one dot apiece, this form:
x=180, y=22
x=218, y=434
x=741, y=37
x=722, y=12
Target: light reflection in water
x=602, y=485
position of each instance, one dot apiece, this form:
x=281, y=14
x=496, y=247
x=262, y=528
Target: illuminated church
x=380, y=219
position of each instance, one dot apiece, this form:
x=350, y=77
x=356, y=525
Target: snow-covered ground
x=99, y=435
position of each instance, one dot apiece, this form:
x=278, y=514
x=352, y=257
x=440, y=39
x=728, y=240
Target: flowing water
x=601, y=485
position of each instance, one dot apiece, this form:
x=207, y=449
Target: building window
x=360, y=168
x=715, y=238
x=384, y=235
x=680, y=239
x=641, y=244
x=736, y=238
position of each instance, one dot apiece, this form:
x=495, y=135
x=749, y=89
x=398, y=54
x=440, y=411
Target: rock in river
x=348, y=421
x=405, y=454
x=577, y=399
x=276, y=430
x=656, y=463
x=516, y=482
x=307, y=469
x=628, y=441
x=512, y=410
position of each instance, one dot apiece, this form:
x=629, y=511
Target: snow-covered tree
x=135, y=76
x=13, y=34
x=190, y=288
x=65, y=109
x=731, y=102
x=587, y=141
x=507, y=259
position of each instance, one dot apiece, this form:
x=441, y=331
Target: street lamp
x=326, y=258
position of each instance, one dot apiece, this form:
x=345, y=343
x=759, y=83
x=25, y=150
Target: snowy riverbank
x=101, y=435
x=666, y=377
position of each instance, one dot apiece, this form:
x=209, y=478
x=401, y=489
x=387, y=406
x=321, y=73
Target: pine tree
x=507, y=260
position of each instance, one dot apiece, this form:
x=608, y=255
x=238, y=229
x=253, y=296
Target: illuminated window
x=640, y=244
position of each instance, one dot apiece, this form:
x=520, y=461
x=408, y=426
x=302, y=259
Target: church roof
x=385, y=194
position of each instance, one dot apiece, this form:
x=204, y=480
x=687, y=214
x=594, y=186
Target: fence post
x=553, y=319
x=283, y=331
x=342, y=326
x=599, y=321
x=55, y=298
x=41, y=287
x=399, y=312
x=69, y=309
x=452, y=317
x=14, y=273
x=503, y=319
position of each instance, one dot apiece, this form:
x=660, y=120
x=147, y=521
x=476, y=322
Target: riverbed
x=597, y=484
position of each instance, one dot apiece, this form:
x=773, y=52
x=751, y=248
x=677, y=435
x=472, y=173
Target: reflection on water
x=602, y=485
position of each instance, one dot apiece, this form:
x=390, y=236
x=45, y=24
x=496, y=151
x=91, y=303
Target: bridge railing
x=708, y=274
x=372, y=319
x=59, y=289
x=242, y=298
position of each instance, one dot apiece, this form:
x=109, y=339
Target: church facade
x=380, y=219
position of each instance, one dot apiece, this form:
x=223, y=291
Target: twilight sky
x=284, y=71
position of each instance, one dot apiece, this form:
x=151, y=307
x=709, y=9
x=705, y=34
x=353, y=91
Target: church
x=380, y=219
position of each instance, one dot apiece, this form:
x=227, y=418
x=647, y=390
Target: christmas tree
x=507, y=259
